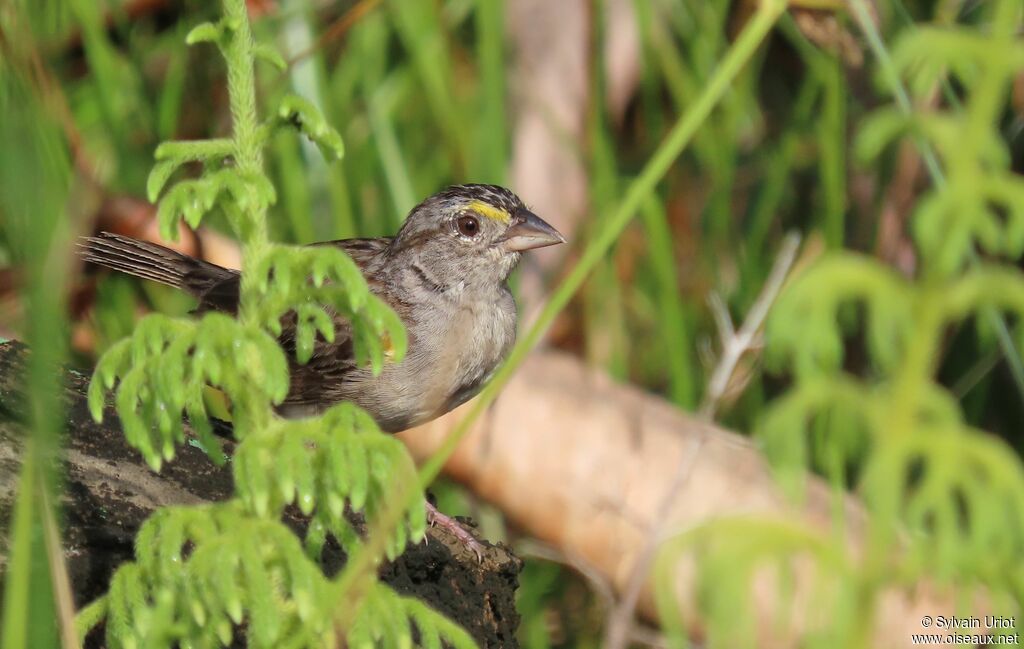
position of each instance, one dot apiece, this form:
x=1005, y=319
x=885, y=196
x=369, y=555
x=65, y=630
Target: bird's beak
x=528, y=231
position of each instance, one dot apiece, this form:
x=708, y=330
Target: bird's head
x=472, y=233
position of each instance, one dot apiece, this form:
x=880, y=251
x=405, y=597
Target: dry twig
x=734, y=345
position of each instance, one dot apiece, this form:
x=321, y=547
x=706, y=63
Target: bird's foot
x=436, y=518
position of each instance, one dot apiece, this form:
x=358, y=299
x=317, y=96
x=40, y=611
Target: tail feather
x=115, y=255
x=153, y=262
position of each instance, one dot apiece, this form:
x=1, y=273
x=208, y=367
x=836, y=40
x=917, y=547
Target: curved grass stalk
x=356, y=576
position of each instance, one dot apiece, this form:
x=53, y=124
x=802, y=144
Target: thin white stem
x=736, y=343
x=619, y=628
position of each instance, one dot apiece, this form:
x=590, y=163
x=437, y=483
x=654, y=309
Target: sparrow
x=445, y=274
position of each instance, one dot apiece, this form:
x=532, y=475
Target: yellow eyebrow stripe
x=490, y=212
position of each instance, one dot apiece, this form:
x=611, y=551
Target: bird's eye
x=468, y=226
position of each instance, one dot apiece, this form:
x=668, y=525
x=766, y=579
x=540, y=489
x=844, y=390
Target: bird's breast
x=453, y=350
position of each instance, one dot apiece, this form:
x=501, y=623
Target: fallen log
x=584, y=464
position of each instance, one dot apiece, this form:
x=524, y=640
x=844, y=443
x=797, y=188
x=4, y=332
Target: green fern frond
x=170, y=156
x=789, y=430
x=927, y=54
x=324, y=464
x=386, y=619
x=202, y=574
x=162, y=370
x=805, y=326
x=310, y=284
x=736, y=553
x=191, y=200
x=946, y=501
x=302, y=114
x=962, y=501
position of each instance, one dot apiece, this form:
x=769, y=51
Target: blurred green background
x=427, y=93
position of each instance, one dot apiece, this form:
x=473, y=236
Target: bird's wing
x=223, y=295
x=318, y=381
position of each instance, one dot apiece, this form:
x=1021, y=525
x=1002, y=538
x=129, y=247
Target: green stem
x=680, y=135
x=17, y=598
x=919, y=363
x=675, y=328
x=242, y=88
x=491, y=145
x=238, y=52
x=832, y=144
x=189, y=150
x=352, y=580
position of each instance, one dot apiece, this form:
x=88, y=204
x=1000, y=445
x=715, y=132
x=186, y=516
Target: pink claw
x=436, y=518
